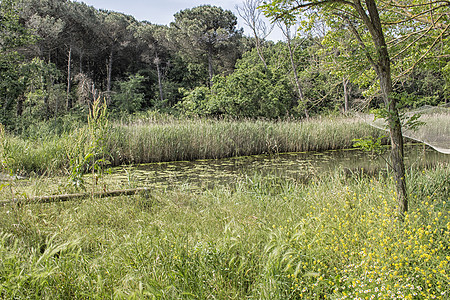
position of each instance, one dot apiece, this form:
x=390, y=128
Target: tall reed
x=200, y=139
x=151, y=140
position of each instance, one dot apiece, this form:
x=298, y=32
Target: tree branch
x=396, y=4
x=437, y=39
x=417, y=16
x=412, y=43
x=355, y=32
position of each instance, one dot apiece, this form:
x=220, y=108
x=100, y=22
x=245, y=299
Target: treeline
x=57, y=56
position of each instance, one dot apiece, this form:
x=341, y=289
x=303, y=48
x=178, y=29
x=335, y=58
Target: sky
x=162, y=11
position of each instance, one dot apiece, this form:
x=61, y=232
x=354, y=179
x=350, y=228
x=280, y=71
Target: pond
x=297, y=166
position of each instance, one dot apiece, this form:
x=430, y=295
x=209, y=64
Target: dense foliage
x=57, y=56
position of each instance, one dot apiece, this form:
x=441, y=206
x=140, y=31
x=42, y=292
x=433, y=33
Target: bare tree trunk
x=287, y=34
x=259, y=50
x=19, y=107
x=47, y=107
x=210, y=68
x=294, y=69
x=108, y=80
x=69, y=79
x=346, y=94
x=81, y=63
x=251, y=15
x=158, y=70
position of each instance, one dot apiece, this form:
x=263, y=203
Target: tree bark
x=346, y=94
x=287, y=34
x=249, y=12
x=383, y=70
x=260, y=50
x=294, y=68
x=158, y=70
x=81, y=62
x=19, y=107
x=108, y=80
x=69, y=75
x=210, y=68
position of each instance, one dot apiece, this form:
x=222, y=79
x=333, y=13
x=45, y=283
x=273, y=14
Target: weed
x=336, y=237
x=90, y=155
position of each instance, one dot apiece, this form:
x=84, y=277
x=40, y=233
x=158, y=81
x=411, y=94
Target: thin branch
x=412, y=43
x=405, y=37
x=313, y=4
x=310, y=5
x=418, y=15
x=396, y=4
x=359, y=39
x=412, y=17
x=425, y=54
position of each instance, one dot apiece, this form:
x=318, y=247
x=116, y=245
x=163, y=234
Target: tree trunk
x=19, y=107
x=260, y=50
x=108, y=80
x=294, y=70
x=346, y=94
x=210, y=68
x=47, y=108
x=383, y=69
x=69, y=75
x=250, y=14
x=81, y=63
x=395, y=130
x=158, y=70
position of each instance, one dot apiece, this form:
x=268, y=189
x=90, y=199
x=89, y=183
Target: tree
x=285, y=27
x=13, y=36
x=252, y=17
x=129, y=97
x=41, y=91
x=251, y=91
x=115, y=34
x=148, y=34
x=208, y=35
x=63, y=27
x=366, y=16
x=77, y=38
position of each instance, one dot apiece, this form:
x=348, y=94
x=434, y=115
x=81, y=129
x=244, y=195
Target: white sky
x=162, y=11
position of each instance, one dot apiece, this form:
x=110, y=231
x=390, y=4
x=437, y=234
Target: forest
x=196, y=160
x=58, y=56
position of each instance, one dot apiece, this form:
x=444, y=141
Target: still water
x=298, y=166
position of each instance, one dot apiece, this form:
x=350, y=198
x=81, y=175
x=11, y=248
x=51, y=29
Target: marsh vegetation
x=198, y=89
x=264, y=238
x=266, y=235
x=159, y=139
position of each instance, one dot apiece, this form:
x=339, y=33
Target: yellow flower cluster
x=355, y=247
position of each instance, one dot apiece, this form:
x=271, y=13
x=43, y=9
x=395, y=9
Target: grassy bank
x=335, y=238
x=150, y=140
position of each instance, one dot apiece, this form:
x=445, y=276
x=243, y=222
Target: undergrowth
x=337, y=237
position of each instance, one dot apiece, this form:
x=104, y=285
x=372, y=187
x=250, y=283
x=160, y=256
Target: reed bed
x=202, y=139
x=336, y=238
x=153, y=140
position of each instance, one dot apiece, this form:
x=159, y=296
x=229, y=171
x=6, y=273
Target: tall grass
x=337, y=237
x=197, y=139
x=153, y=140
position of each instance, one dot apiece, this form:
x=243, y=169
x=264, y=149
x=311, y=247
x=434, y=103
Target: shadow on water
x=296, y=166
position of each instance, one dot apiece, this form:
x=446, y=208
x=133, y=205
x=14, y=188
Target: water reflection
x=298, y=166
